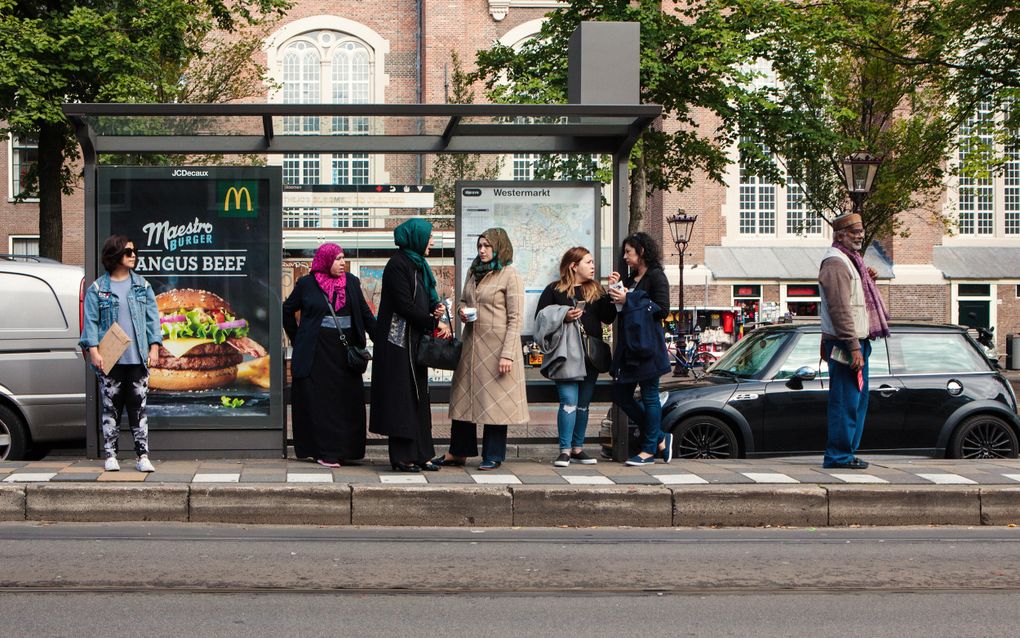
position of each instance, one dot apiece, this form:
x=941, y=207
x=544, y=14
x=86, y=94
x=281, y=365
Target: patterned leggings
x=125, y=387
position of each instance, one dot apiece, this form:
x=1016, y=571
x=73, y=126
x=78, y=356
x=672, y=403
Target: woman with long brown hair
x=589, y=305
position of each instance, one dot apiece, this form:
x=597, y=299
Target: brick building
x=754, y=244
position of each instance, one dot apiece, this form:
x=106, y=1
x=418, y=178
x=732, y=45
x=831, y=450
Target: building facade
x=754, y=246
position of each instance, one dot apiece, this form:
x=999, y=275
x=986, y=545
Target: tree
x=691, y=60
x=451, y=167
x=843, y=84
x=56, y=51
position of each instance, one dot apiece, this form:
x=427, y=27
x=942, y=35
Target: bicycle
x=689, y=359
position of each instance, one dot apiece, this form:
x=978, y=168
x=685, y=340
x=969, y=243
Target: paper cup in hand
x=470, y=314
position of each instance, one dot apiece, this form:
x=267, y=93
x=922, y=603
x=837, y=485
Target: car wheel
x=13, y=440
x=704, y=437
x=984, y=437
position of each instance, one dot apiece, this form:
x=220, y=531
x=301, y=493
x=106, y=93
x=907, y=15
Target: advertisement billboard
x=208, y=241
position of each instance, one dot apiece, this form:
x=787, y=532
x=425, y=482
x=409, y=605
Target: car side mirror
x=803, y=373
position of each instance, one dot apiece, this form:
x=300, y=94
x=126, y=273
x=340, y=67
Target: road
x=219, y=580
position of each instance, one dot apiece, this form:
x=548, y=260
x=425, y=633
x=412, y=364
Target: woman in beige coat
x=488, y=385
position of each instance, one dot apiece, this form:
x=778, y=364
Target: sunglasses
x=128, y=252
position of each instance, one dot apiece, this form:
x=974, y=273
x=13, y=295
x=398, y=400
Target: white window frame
x=785, y=299
x=12, y=238
x=329, y=36
x=999, y=190
x=11, y=170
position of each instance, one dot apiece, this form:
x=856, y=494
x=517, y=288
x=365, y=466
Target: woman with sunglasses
x=123, y=297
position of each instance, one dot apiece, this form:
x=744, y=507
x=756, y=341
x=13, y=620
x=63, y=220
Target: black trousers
x=464, y=440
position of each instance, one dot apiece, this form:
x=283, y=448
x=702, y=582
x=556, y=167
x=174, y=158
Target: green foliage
x=690, y=64
x=55, y=51
x=449, y=168
x=837, y=94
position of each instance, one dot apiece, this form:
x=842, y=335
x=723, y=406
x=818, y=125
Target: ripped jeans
x=572, y=417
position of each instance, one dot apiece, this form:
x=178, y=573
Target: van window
x=28, y=303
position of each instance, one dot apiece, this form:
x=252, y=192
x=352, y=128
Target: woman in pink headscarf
x=327, y=394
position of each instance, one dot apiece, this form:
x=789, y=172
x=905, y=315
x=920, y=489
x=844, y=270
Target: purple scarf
x=323, y=261
x=878, y=316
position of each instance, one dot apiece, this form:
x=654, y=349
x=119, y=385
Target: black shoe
x=582, y=458
x=853, y=464
x=429, y=466
x=563, y=460
x=489, y=465
x=405, y=467
x=441, y=460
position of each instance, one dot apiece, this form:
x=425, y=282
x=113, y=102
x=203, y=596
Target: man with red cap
x=853, y=314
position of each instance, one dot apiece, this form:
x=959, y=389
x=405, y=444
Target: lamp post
x=859, y=171
x=681, y=226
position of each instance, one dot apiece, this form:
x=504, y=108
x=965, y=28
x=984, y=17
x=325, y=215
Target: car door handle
x=885, y=390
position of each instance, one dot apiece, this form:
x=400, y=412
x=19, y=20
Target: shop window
x=748, y=299
x=803, y=300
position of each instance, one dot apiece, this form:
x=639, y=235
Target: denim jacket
x=102, y=309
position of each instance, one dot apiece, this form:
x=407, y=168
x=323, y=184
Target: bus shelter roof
x=360, y=128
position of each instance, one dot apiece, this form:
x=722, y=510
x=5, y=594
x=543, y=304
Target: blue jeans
x=464, y=441
x=647, y=414
x=847, y=406
x=572, y=417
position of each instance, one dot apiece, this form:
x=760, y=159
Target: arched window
x=327, y=66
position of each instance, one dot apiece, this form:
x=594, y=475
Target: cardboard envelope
x=112, y=346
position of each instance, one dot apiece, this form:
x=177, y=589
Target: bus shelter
x=251, y=425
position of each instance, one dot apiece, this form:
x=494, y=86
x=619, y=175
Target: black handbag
x=357, y=357
x=596, y=351
x=439, y=353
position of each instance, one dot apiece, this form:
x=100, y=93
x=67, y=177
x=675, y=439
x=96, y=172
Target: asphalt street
x=220, y=580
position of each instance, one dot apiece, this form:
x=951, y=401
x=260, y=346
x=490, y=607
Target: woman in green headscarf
x=488, y=385
x=409, y=307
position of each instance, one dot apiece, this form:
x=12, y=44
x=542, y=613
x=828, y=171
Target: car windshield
x=751, y=354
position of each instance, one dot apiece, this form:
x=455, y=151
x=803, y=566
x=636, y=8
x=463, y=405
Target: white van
x=42, y=374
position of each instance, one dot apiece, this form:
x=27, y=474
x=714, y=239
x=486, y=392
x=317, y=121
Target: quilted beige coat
x=480, y=394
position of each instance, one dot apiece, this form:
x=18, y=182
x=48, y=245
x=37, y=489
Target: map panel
x=543, y=220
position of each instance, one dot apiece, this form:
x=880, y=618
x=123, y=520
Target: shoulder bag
x=439, y=353
x=596, y=351
x=357, y=357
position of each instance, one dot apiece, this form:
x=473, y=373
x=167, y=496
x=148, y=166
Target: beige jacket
x=844, y=313
x=480, y=394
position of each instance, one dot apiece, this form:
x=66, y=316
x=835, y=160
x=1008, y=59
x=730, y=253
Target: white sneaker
x=144, y=464
x=112, y=465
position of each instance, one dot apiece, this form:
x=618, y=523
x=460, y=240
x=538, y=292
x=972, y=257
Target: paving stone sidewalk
x=804, y=471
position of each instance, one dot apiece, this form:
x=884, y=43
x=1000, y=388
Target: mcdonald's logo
x=240, y=199
x=237, y=193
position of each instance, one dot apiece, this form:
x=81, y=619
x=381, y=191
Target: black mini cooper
x=932, y=392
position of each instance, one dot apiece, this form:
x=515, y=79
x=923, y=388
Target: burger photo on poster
x=204, y=342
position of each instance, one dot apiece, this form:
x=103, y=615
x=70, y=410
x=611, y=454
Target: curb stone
x=904, y=505
x=88, y=502
x=432, y=505
x=1000, y=505
x=609, y=506
x=271, y=504
x=750, y=506
x=12, y=503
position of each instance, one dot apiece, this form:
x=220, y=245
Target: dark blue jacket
x=308, y=297
x=641, y=352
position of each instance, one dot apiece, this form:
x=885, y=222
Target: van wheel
x=13, y=440
x=984, y=437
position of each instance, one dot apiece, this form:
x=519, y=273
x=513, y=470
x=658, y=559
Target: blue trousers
x=572, y=417
x=848, y=406
x=647, y=414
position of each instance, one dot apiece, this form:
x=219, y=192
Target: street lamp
x=859, y=176
x=681, y=226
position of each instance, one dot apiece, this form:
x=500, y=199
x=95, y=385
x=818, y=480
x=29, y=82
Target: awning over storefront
x=783, y=263
x=992, y=262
